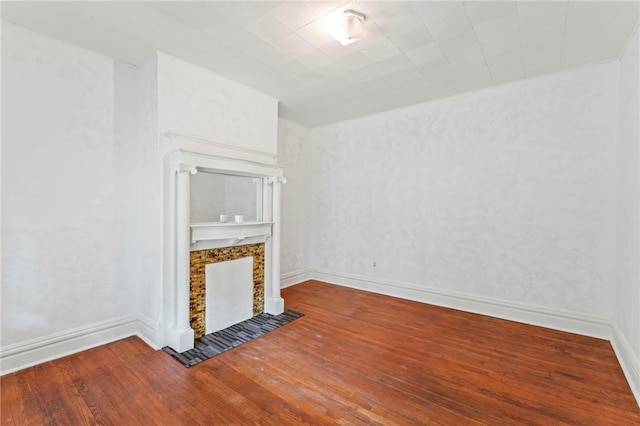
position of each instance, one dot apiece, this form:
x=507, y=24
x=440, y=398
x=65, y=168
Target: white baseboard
x=295, y=277
x=36, y=351
x=557, y=319
x=628, y=359
x=148, y=331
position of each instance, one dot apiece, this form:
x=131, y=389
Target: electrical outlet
x=375, y=264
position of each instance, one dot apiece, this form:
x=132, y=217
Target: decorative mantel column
x=182, y=336
x=274, y=304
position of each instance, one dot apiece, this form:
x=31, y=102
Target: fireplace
x=200, y=287
x=190, y=246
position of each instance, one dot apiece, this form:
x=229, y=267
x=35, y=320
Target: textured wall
x=196, y=102
x=148, y=178
x=59, y=204
x=506, y=192
x=294, y=155
x=627, y=302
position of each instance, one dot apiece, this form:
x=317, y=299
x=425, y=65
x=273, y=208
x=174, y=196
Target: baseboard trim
x=148, y=332
x=295, y=277
x=36, y=351
x=629, y=361
x=556, y=319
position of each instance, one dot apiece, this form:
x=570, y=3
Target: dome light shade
x=349, y=28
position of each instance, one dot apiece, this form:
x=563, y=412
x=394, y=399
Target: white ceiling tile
x=247, y=42
x=485, y=11
x=626, y=20
x=403, y=75
x=294, y=15
x=392, y=64
x=334, y=50
x=448, y=26
x=314, y=58
x=100, y=18
x=425, y=53
x=271, y=55
x=354, y=61
x=588, y=21
x=294, y=45
x=436, y=68
x=504, y=27
x=507, y=66
x=241, y=12
x=439, y=9
x=200, y=15
x=52, y=19
x=475, y=75
x=376, y=9
x=541, y=9
x=331, y=69
x=500, y=45
x=463, y=40
x=292, y=68
x=542, y=58
x=461, y=57
x=400, y=21
x=148, y=13
x=9, y=11
x=316, y=34
x=577, y=51
x=443, y=18
x=411, y=40
x=321, y=8
x=269, y=29
x=537, y=30
x=381, y=51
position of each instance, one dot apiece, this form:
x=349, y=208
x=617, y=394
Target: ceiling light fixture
x=349, y=28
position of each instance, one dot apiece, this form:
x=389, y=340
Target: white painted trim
x=557, y=319
x=295, y=277
x=148, y=331
x=176, y=141
x=36, y=351
x=629, y=361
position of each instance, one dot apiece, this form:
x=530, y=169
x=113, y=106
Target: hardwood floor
x=355, y=358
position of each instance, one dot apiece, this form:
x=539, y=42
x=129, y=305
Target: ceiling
x=412, y=52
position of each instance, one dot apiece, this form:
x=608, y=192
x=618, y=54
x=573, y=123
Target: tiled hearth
x=201, y=258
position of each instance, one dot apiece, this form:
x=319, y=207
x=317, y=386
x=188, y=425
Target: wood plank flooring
x=355, y=358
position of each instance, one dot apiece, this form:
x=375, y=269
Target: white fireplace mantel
x=207, y=235
x=185, y=156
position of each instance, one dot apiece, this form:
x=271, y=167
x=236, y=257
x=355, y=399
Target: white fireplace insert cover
x=228, y=293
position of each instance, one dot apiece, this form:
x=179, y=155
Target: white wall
x=294, y=153
x=196, y=102
x=61, y=270
x=149, y=221
x=626, y=313
x=505, y=194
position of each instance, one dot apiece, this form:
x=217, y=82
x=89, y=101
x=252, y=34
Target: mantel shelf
x=236, y=232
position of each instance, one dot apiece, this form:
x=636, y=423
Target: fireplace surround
x=185, y=156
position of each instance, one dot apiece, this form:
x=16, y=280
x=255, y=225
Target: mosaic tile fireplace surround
x=199, y=259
